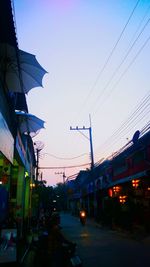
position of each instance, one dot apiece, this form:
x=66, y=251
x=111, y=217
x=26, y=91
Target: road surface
x=99, y=247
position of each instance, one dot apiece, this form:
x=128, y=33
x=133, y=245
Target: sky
x=96, y=53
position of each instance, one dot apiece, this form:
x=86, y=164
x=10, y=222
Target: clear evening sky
x=97, y=56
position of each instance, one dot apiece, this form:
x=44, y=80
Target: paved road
x=105, y=248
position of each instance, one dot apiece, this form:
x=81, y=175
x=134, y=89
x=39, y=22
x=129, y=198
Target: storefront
x=131, y=202
x=8, y=233
x=6, y=160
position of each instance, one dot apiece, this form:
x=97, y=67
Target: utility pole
x=37, y=164
x=38, y=146
x=89, y=129
x=64, y=176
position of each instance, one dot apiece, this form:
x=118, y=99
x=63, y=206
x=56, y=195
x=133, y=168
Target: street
x=103, y=247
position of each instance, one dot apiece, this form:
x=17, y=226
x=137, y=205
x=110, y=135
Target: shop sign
x=7, y=140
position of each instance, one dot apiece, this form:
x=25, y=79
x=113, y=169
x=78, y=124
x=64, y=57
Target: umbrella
x=19, y=70
x=28, y=123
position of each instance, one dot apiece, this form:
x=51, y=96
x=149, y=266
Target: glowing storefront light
x=135, y=183
x=116, y=189
x=122, y=199
x=32, y=185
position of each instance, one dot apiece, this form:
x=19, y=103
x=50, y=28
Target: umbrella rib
x=30, y=123
x=36, y=61
x=37, y=67
x=40, y=83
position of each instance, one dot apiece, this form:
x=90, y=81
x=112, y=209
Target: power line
x=140, y=23
x=125, y=71
x=145, y=129
x=122, y=61
x=126, y=131
x=66, y=167
x=132, y=116
x=111, y=53
x=60, y=158
x=123, y=126
x=129, y=130
x=142, y=132
x=72, y=177
x=136, y=122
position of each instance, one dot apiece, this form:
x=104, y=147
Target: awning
x=128, y=178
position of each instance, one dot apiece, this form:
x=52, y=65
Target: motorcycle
x=71, y=259
x=82, y=217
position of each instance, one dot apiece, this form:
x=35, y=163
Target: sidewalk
x=138, y=234
x=24, y=246
x=33, y=252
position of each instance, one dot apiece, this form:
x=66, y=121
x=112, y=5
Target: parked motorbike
x=83, y=217
x=71, y=259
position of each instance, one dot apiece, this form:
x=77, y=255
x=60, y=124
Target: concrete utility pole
x=90, y=139
x=38, y=146
x=64, y=176
x=37, y=164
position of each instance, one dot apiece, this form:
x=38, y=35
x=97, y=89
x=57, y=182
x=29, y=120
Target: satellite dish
x=135, y=137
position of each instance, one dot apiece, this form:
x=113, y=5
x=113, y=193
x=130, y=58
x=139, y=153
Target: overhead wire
x=61, y=158
x=111, y=53
x=72, y=177
x=142, y=132
x=121, y=63
x=136, y=117
x=127, y=122
x=140, y=23
x=128, y=67
x=66, y=167
x=125, y=133
x=145, y=128
x=129, y=50
x=138, y=107
x=129, y=143
x=135, y=121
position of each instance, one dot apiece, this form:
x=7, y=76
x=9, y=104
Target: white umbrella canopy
x=19, y=70
x=28, y=123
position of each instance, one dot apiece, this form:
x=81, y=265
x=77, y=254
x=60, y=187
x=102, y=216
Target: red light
x=110, y=192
